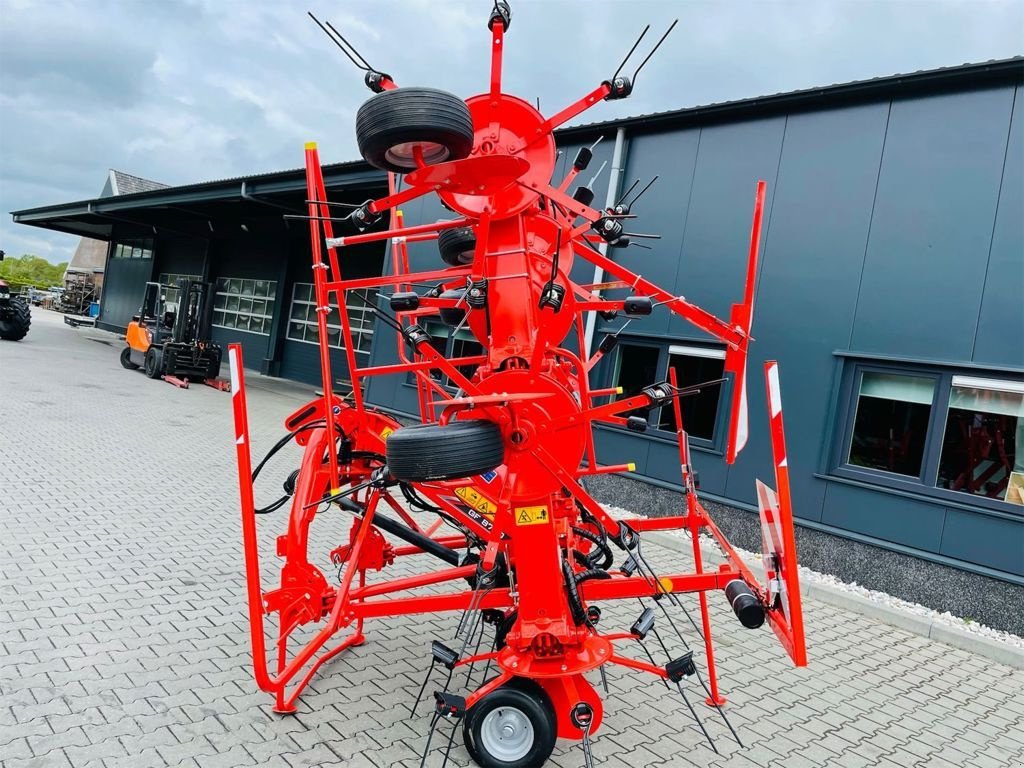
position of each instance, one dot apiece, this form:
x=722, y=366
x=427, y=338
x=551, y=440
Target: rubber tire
x=16, y=328
x=425, y=452
x=154, y=363
x=457, y=246
x=453, y=316
x=126, y=359
x=407, y=115
x=530, y=699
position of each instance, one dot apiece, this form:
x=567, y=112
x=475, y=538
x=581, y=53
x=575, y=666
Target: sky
x=182, y=91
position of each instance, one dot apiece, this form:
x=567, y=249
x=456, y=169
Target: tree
x=32, y=270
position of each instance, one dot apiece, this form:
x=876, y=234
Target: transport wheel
x=18, y=319
x=511, y=727
x=453, y=316
x=154, y=363
x=391, y=124
x=445, y=451
x=457, y=246
x=126, y=359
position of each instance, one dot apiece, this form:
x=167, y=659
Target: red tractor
x=488, y=488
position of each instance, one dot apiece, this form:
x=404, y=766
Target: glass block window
x=170, y=285
x=696, y=365
x=302, y=321
x=890, y=430
x=244, y=304
x=984, y=424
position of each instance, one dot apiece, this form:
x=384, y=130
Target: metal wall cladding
x=892, y=228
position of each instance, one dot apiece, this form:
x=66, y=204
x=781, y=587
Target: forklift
x=172, y=342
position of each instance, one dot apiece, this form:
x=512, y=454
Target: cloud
x=182, y=91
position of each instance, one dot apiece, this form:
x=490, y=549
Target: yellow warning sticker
x=385, y=432
x=476, y=500
x=532, y=515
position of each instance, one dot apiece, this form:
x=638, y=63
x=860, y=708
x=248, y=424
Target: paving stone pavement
x=124, y=642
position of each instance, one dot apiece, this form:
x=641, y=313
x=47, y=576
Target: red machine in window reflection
x=489, y=487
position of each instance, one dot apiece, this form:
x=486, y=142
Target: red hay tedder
x=501, y=461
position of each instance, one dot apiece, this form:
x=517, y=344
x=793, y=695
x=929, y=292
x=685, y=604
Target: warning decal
x=384, y=433
x=476, y=500
x=532, y=515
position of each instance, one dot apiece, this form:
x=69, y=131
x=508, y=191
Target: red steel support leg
x=694, y=520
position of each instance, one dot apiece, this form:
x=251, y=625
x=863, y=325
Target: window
x=170, y=284
x=134, y=249
x=943, y=434
x=636, y=367
x=984, y=422
x=891, y=426
x=695, y=365
x=243, y=304
x=302, y=321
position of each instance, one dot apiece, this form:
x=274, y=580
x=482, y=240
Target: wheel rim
x=402, y=154
x=506, y=733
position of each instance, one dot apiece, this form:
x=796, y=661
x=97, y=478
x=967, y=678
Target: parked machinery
x=501, y=460
x=172, y=341
x=15, y=313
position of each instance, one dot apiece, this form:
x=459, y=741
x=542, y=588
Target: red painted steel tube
x=699, y=317
x=373, y=237
x=312, y=190
x=412, y=582
x=414, y=277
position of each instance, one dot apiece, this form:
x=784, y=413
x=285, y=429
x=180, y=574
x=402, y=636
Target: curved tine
x=332, y=205
x=363, y=67
x=656, y=47
x=631, y=51
x=626, y=193
x=361, y=57
x=640, y=194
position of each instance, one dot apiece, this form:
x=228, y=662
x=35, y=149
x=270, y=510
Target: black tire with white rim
x=513, y=726
x=392, y=125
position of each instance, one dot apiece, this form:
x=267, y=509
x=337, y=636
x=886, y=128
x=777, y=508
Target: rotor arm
x=721, y=330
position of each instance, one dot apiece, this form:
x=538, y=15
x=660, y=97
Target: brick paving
x=123, y=639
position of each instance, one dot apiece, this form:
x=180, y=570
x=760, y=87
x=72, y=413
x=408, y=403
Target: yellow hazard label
x=476, y=500
x=532, y=515
x=385, y=432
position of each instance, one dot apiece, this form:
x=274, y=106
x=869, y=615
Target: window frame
x=365, y=331
x=715, y=446
x=267, y=316
x=133, y=249
x=707, y=351
x=925, y=485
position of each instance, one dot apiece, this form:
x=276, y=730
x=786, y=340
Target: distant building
x=91, y=254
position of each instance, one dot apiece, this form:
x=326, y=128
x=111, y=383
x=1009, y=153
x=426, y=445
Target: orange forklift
x=172, y=342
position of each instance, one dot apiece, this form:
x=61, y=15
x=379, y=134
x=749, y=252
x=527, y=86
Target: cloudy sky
x=181, y=91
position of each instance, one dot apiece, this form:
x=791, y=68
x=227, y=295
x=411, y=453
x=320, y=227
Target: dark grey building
x=890, y=290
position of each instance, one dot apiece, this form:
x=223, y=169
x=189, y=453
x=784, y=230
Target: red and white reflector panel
x=742, y=317
x=778, y=536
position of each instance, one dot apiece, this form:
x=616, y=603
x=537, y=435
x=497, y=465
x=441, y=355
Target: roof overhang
x=201, y=209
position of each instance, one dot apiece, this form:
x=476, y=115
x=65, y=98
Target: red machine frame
x=525, y=517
